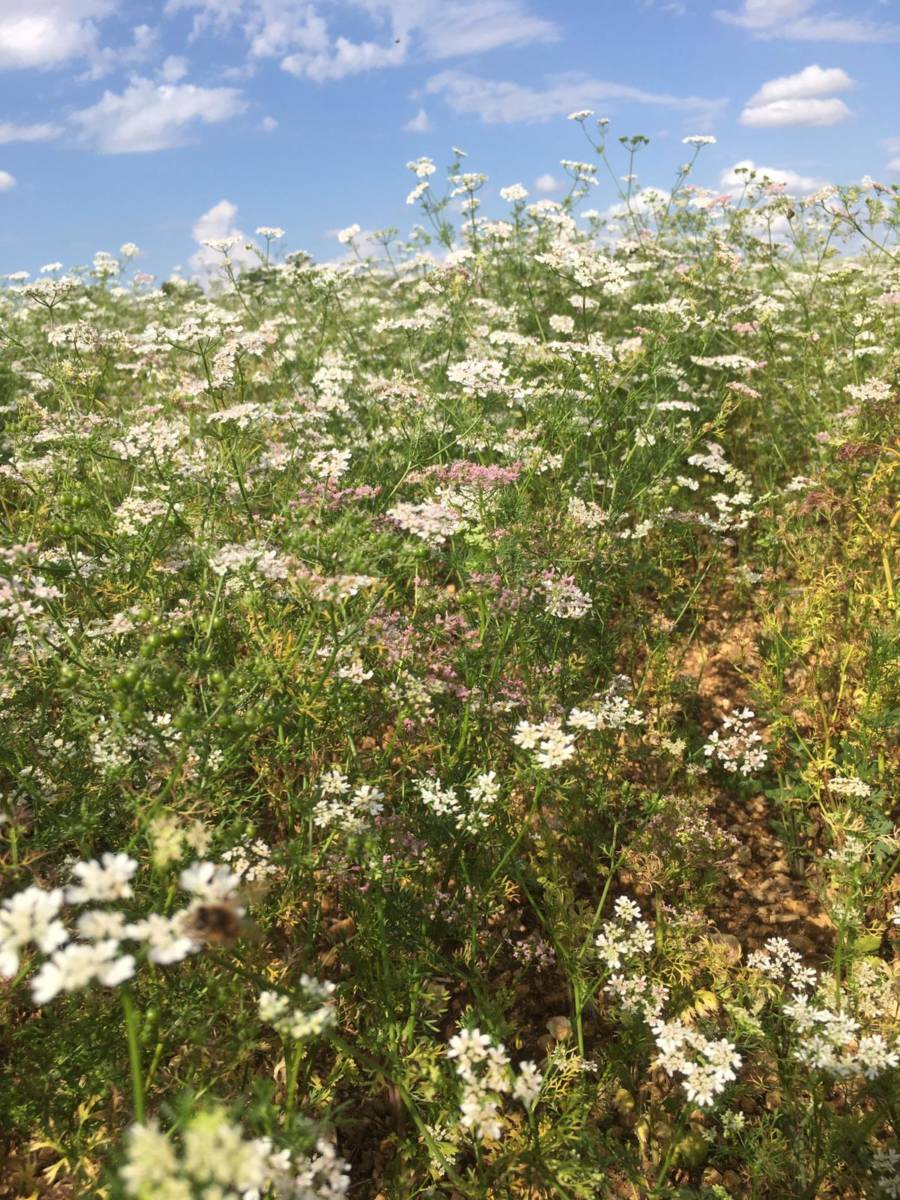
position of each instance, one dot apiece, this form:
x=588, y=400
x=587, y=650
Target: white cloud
x=295, y=32
x=11, y=132
x=800, y=99
x=419, y=123
x=731, y=181
x=46, y=33
x=173, y=69
x=671, y=8
x=6, y=181
x=49, y=33
x=153, y=116
x=268, y=125
x=111, y=58
x=454, y=27
x=547, y=183
x=498, y=101
x=342, y=59
x=811, y=81
x=796, y=112
x=800, y=20
x=894, y=164
x=219, y=223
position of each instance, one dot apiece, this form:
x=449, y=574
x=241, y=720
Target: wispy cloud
x=301, y=38
x=498, y=101
x=801, y=20
x=153, y=116
x=42, y=132
x=546, y=184
x=800, y=99
x=420, y=123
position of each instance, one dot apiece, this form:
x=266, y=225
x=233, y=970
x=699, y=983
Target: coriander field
x=449, y=706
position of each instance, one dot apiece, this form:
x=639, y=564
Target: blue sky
x=158, y=121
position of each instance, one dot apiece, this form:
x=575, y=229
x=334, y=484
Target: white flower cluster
x=421, y=167
x=705, y=1065
x=780, y=962
x=828, y=1041
x=612, y=710
x=565, y=599
x=138, y=511
x=252, y=862
x=216, y=1158
x=637, y=996
x=886, y=1169
x=625, y=937
x=486, y=1075
x=169, y=838
x=555, y=746
x=849, y=785
x=349, y=808
x=738, y=746
x=235, y=557
x=32, y=917
x=430, y=521
x=552, y=745
x=831, y=1042
x=482, y=795
x=586, y=513
x=311, y=1017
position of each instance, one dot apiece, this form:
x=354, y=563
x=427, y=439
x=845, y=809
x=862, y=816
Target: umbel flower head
x=216, y=1159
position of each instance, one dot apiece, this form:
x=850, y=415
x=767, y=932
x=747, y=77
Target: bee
x=219, y=923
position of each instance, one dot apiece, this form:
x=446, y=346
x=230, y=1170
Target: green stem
x=132, y=1032
x=294, y=1056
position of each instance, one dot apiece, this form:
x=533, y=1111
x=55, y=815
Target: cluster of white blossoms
x=514, y=194
x=431, y=521
x=311, y=1017
x=611, y=709
x=138, y=511
x=344, y=806
x=236, y=558
x=472, y=817
x=216, y=1160
x=779, y=961
x=252, y=861
x=886, y=1169
x=486, y=1074
x=421, y=167
x=587, y=514
x=833, y=1042
x=169, y=838
x=738, y=747
x=705, y=1065
x=93, y=951
x=849, y=785
x=564, y=598
x=552, y=745
x=625, y=937
x=829, y=1040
